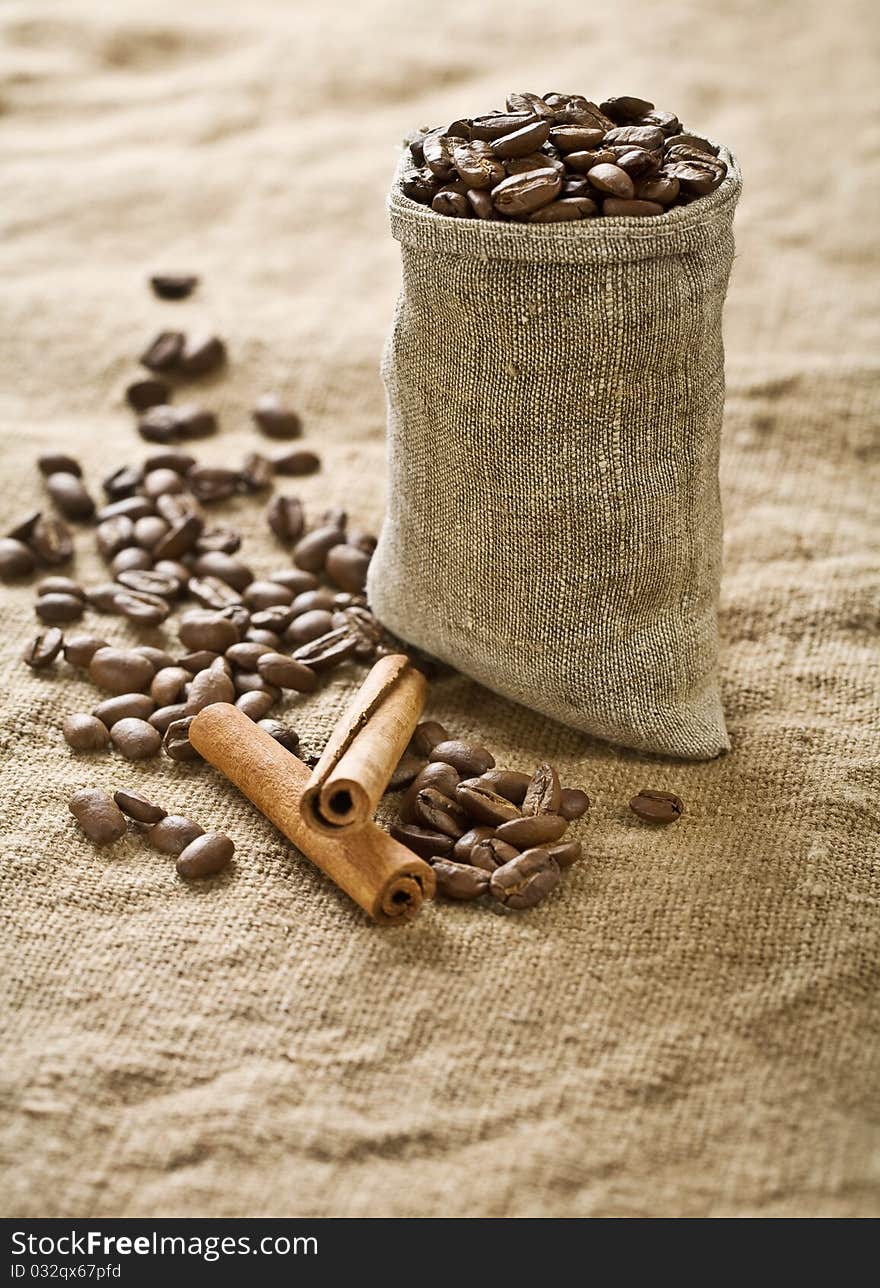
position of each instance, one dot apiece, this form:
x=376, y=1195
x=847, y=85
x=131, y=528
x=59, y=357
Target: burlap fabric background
x=690, y=1025
x=555, y=397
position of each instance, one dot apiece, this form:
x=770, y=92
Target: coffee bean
x=311, y=551
x=463, y=847
x=221, y=539
x=565, y=210
x=149, y=530
x=266, y=594
x=433, y=809
x=195, y=421
x=129, y=507
x=276, y=419
x=203, y=629
x=657, y=807
x=176, y=741
x=208, y=687
x=309, y=601
x=296, y=464
x=459, y=880
x=120, y=670
x=179, y=539
x=277, y=618
x=98, y=816
x=138, y=807
x=80, y=649
x=246, y=655
x=173, y=286
x=520, y=142
x=427, y=736
x=639, y=164
x=405, y=772
x=327, y=650
x=205, y=855
x=163, y=353
x=525, y=880
x=143, y=394
x=159, y=424
x=16, y=560
x=159, y=481
x=537, y=829
x=256, y=703
x=132, y=558
x=70, y=495
x=125, y=706
x=213, y=593
x=168, y=685
x=114, y=534
x=51, y=540
x=59, y=608
x=544, y=794
x=494, y=126
x=213, y=483
x=159, y=657
x=491, y=853
x=287, y=673
x=22, y=529
x=149, y=582
x=288, y=738
x=610, y=178
x=468, y=758
x=201, y=354
x=85, y=733
x=142, y=607
x=575, y=138
x=286, y=519
x=164, y=716
x=443, y=778
x=122, y=484
x=566, y=854
x=347, y=567
x=520, y=194
x=173, y=833
x=135, y=739
x=424, y=841
x=58, y=585
x=58, y=463
x=625, y=109
x=509, y=783
x=573, y=803
x=256, y=473
x=253, y=682
x=481, y=204
x=43, y=649
x=309, y=626
x=613, y=206
x=103, y=596
x=483, y=804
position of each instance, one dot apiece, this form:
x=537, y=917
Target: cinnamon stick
x=353, y=773
x=387, y=880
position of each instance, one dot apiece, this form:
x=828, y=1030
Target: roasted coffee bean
x=276, y=619
x=16, y=560
x=175, y=569
x=509, y=783
x=520, y=194
x=80, y=649
x=166, y=716
x=544, y=794
x=287, y=673
x=140, y=606
x=256, y=703
x=576, y=185
x=657, y=807
x=311, y=551
x=195, y=421
x=163, y=354
x=366, y=630
x=220, y=539
x=201, y=354
x=173, y=286
x=149, y=582
x=491, y=853
x=149, y=530
x=424, y=841
x=347, y=566
x=537, y=829
x=575, y=138
x=433, y=809
x=573, y=803
x=70, y=495
x=131, y=559
x=125, y=706
x=198, y=660
x=481, y=203
x=256, y=473
x=286, y=519
x=637, y=136
x=565, y=210
x=179, y=539
x=22, y=529
x=493, y=126
x=459, y=880
x=275, y=418
x=269, y=638
x=308, y=601
x=521, y=142
x=309, y=626
x=614, y=206
x=420, y=184
x=138, y=807
x=43, y=649
x=58, y=585
x=426, y=737
x=159, y=657
x=143, y=394
x=463, y=847
x=565, y=854
x=50, y=540
x=443, y=778
x=208, y=687
x=173, y=833
x=129, y=507
x=405, y=772
x=213, y=483
x=103, y=596
x=253, y=682
x=121, y=670
x=267, y=594
x=213, y=593
x=114, y=535
x=437, y=151
x=169, y=684
x=85, y=733
x=662, y=188
x=159, y=481
x=626, y=109
x=696, y=176
x=468, y=758
x=529, y=103
x=282, y=734
x=159, y=423
x=205, y=856
x=135, y=739
x=296, y=464
x=535, y=161
x=476, y=164
x=59, y=608
x=58, y=463
x=246, y=655
x=98, y=816
x=483, y=804
x=327, y=650
x=610, y=178
x=176, y=741
x=525, y=880
x=639, y=164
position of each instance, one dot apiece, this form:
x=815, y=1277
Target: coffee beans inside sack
x=555, y=386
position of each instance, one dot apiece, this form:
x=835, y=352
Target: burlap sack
x=555, y=396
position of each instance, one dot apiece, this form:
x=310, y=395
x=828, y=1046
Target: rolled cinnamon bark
x=353, y=773
x=386, y=879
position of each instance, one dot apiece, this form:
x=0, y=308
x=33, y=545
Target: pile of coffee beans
x=104, y=819
x=557, y=157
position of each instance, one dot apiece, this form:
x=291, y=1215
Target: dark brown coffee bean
x=159, y=424
x=366, y=630
x=433, y=809
x=159, y=657
x=566, y=854
x=309, y=626
x=537, y=829
x=565, y=210
x=463, y=847
x=195, y=421
x=129, y=507
x=121, y=670
x=286, y=519
x=437, y=151
x=521, y=142
x=269, y=638
x=614, y=207
x=159, y=481
x=267, y=594
x=611, y=179
x=484, y=805
x=575, y=138
x=256, y=473
x=163, y=354
x=491, y=853
x=275, y=418
x=22, y=529
x=253, y=682
x=166, y=716
x=51, y=540
x=149, y=530
x=420, y=184
x=309, y=601
x=173, y=286
x=103, y=596
x=520, y=194
x=149, y=582
x=638, y=136
x=142, y=607
x=493, y=126
x=198, y=660
x=43, y=649
x=663, y=188
x=201, y=354
x=347, y=566
x=122, y=483
x=208, y=687
x=657, y=807
x=70, y=495
x=535, y=161
x=639, y=164
x=213, y=483
x=288, y=738
x=138, y=807
x=481, y=203
x=58, y=585
x=131, y=559
x=114, y=535
x=573, y=803
x=468, y=758
x=443, y=778
x=246, y=655
x=459, y=880
x=168, y=685
x=427, y=736
x=85, y=733
x=423, y=841
x=625, y=109
x=695, y=176
x=16, y=560
x=58, y=463
x=327, y=650
x=143, y=394
x=176, y=741
x=476, y=164
x=80, y=649
x=544, y=794
x=213, y=593
x=287, y=673
x=179, y=539
x=405, y=772
x=135, y=739
x=98, y=816
x=208, y=630
x=525, y=880
x=173, y=833
x=311, y=551
x=296, y=464
x=576, y=185
x=205, y=856
x=125, y=706
x=59, y=608
x=509, y=783
x=256, y=703
x=529, y=103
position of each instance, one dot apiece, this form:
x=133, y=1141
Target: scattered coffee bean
x=427, y=736
x=287, y=737
x=657, y=807
x=209, y=686
x=16, y=560
x=538, y=829
x=131, y=559
x=483, y=804
x=98, y=816
x=85, y=733
x=544, y=794
x=287, y=673
x=70, y=495
x=205, y=855
x=347, y=566
x=138, y=807
x=173, y=833
x=328, y=650
x=309, y=626
x=459, y=880
x=525, y=880
x=286, y=519
x=566, y=853
x=201, y=354
x=173, y=286
x=143, y=394
x=256, y=703
x=573, y=803
x=163, y=354
x=275, y=419
x=135, y=739
x=59, y=608
x=434, y=810
x=208, y=630
x=469, y=759
x=424, y=841
x=491, y=853
x=176, y=741
x=509, y=783
x=121, y=670
x=406, y=771
x=310, y=552
x=50, y=540
x=80, y=649
x=124, y=706
x=296, y=464
x=43, y=649
x=463, y=847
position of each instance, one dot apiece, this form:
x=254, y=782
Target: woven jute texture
x=555, y=397
x=689, y=1025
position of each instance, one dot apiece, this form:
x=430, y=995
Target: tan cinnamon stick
x=386, y=879
x=353, y=773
